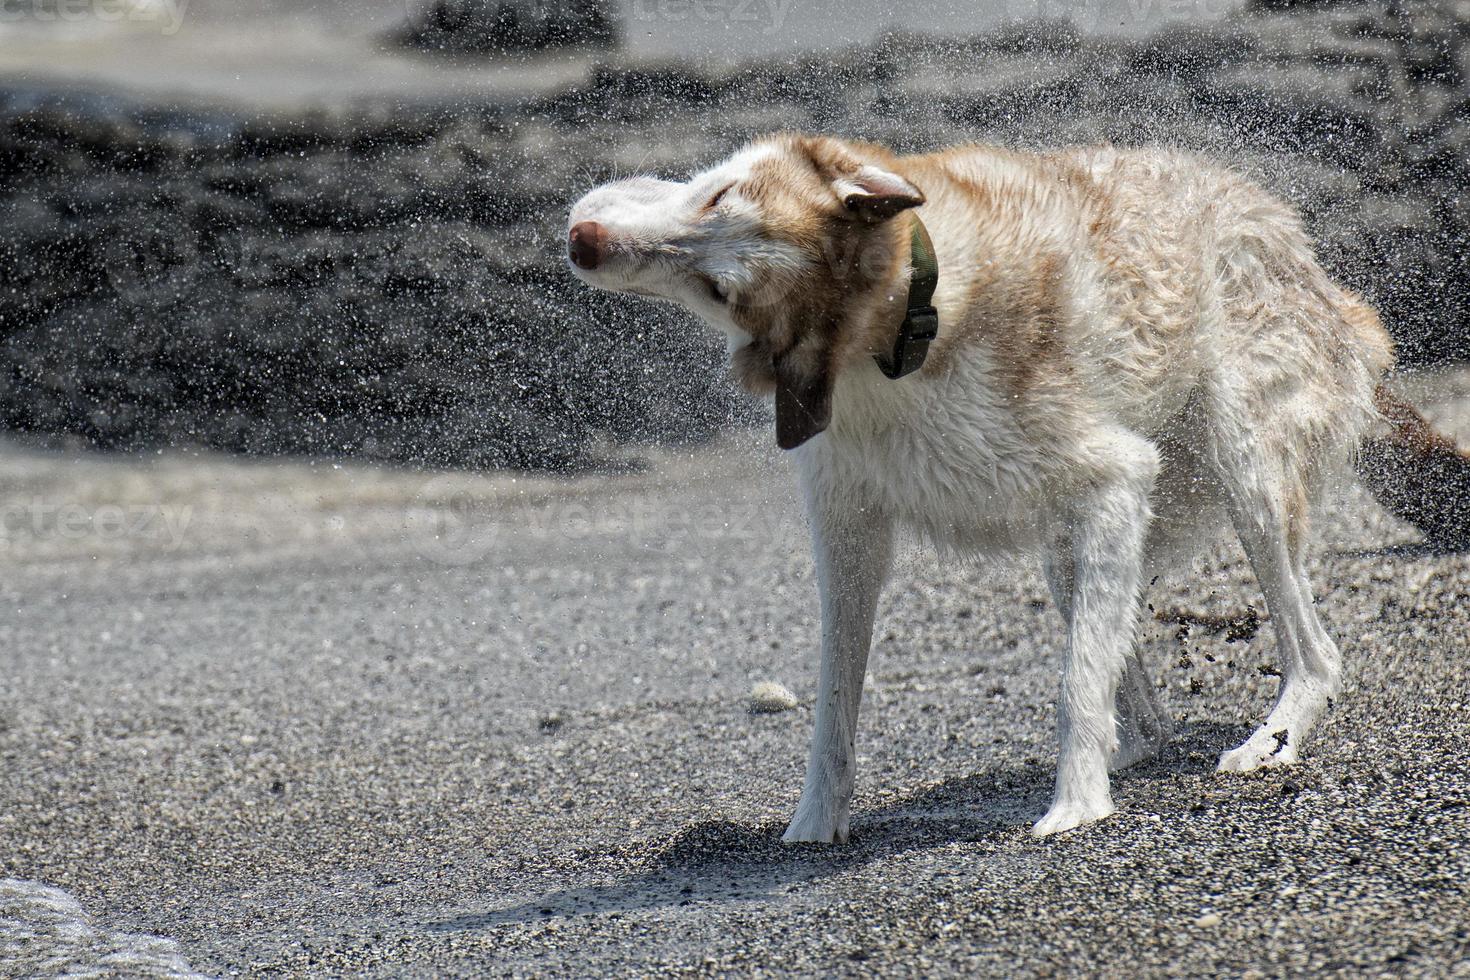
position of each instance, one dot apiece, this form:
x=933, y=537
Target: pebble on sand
x=768, y=697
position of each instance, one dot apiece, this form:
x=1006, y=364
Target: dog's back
x=1140, y=274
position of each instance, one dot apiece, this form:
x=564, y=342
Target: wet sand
x=323, y=719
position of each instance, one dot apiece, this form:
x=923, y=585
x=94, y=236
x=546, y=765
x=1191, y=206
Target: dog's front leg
x=1107, y=527
x=854, y=549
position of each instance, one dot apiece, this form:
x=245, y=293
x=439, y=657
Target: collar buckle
x=920, y=326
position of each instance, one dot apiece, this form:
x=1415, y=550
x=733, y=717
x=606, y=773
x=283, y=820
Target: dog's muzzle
x=587, y=245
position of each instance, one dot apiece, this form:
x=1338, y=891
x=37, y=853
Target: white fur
x=660, y=238
x=974, y=484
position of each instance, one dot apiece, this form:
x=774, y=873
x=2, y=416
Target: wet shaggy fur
x=1135, y=346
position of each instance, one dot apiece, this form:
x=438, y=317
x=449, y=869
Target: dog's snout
x=587, y=244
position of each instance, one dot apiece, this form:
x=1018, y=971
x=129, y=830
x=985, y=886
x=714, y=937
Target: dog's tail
x=1418, y=474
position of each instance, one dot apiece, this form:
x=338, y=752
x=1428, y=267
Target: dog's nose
x=587, y=244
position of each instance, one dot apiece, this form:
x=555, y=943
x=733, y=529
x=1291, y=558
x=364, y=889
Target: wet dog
x=1089, y=355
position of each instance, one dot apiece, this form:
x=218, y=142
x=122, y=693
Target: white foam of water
x=44, y=932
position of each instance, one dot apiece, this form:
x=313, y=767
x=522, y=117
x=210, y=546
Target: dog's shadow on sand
x=723, y=861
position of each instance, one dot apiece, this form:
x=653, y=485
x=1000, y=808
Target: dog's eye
x=714, y=202
x=718, y=291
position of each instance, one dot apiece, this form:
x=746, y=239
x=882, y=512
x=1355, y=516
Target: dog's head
x=787, y=247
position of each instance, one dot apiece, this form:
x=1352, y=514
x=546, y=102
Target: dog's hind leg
x=854, y=550
x=1268, y=504
x=1143, y=725
x=1107, y=528
x=1311, y=666
x=1186, y=514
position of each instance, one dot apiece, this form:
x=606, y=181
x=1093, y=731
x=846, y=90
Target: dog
x=1090, y=355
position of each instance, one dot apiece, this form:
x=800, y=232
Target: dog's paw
x=1069, y=815
x=816, y=824
x=1262, y=749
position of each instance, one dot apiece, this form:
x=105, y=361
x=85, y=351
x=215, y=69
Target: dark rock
x=508, y=25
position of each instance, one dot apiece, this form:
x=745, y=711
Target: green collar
x=921, y=321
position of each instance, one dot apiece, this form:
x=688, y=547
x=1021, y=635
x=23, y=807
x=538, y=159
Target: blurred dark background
x=335, y=228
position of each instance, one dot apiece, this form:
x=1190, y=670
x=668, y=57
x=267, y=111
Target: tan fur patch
x=814, y=310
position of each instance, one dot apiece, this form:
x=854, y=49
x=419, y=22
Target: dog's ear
x=875, y=194
x=803, y=396
x=866, y=190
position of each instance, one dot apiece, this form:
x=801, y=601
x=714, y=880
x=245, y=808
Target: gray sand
x=332, y=720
